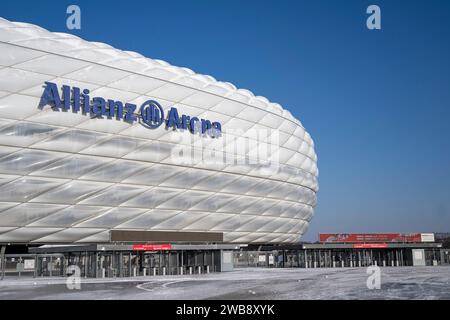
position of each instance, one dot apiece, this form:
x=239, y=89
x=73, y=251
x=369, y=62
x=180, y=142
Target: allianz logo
x=150, y=113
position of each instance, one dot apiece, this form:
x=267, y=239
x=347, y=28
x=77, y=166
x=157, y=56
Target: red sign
x=369, y=245
x=151, y=247
x=369, y=237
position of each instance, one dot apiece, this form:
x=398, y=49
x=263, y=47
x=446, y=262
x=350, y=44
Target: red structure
x=370, y=237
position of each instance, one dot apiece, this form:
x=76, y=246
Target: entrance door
x=152, y=263
x=108, y=265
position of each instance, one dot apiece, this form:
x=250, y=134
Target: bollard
x=181, y=270
x=134, y=271
x=144, y=272
x=164, y=271
x=334, y=264
x=207, y=269
x=384, y=263
x=154, y=271
x=190, y=270
x=199, y=270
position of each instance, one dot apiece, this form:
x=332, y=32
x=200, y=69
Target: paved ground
x=347, y=283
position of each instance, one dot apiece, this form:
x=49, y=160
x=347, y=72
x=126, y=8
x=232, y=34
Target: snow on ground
x=249, y=283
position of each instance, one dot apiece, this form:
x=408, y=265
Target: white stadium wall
x=71, y=177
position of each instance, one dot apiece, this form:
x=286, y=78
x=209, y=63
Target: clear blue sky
x=377, y=103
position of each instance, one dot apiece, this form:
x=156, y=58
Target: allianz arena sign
x=151, y=114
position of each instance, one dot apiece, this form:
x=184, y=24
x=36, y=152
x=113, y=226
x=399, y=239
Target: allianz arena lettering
x=151, y=112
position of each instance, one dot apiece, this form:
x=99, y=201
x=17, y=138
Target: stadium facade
x=99, y=145
x=95, y=139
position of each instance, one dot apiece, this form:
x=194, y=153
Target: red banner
x=369, y=245
x=369, y=237
x=151, y=247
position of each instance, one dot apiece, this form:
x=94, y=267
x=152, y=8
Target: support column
x=2, y=262
x=330, y=260
x=36, y=265
x=96, y=265
x=204, y=259
x=179, y=267
x=51, y=266
x=167, y=254
x=111, y=263
x=86, y=261
x=324, y=258
x=306, y=258
x=182, y=258
x=315, y=260
x=120, y=265
x=212, y=261
x=129, y=265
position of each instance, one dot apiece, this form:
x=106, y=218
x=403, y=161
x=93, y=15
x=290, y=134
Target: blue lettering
x=98, y=107
x=66, y=95
x=173, y=120
x=193, y=127
x=206, y=125
x=115, y=108
x=216, y=129
x=184, y=121
x=129, y=115
x=50, y=96
x=76, y=99
x=151, y=112
x=86, y=102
